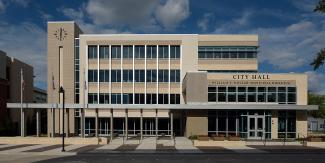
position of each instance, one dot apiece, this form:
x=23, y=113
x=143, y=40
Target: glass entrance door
x=255, y=127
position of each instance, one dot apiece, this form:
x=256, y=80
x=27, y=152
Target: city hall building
x=169, y=85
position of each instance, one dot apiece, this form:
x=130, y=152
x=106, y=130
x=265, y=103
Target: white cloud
x=2, y=7
x=305, y=5
x=292, y=46
x=236, y=24
x=316, y=82
x=172, y=13
x=79, y=16
x=141, y=15
x=203, y=23
x=72, y=13
x=29, y=46
x=117, y=12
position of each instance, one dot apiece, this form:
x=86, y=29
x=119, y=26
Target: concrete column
x=126, y=124
x=181, y=123
x=171, y=125
x=53, y=122
x=141, y=124
x=38, y=122
x=237, y=126
x=22, y=123
x=301, y=123
x=82, y=123
x=66, y=123
x=96, y=123
x=156, y=123
x=111, y=125
x=274, y=125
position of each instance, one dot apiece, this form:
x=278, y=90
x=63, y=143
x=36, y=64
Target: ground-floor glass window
x=286, y=124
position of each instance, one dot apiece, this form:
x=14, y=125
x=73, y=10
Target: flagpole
x=22, y=114
x=52, y=107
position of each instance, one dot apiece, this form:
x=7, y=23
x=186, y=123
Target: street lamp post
x=61, y=90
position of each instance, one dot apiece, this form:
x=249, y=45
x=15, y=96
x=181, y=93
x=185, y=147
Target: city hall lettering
x=252, y=77
x=253, y=82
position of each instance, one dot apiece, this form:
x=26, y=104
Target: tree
x=319, y=60
x=320, y=7
x=314, y=99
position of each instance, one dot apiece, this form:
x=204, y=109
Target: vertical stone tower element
x=61, y=72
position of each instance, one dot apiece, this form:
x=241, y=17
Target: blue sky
x=290, y=32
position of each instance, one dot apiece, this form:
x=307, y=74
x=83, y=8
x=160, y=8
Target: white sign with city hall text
x=251, y=80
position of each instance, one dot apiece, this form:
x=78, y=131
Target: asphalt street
x=189, y=158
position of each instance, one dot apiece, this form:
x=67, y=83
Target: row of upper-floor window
x=281, y=95
x=139, y=51
x=220, y=52
x=136, y=76
x=127, y=98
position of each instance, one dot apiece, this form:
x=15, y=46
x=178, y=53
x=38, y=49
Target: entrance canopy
x=196, y=106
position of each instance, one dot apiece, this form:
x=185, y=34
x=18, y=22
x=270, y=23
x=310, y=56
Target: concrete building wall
x=196, y=123
x=196, y=87
x=3, y=64
x=301, y=124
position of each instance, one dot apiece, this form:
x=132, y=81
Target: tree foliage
x=319, y=60
x=314, y=99
x=320, y=7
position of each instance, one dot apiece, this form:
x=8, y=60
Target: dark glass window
x=139, y=51
x=151, y=75
x=212, y=97
x=103, y=51
x=116, y=51
x=151, y=98
x=292, y=95
x=139, y=98
x=116, y=75
x=104, y=98
x=127, y=76
x=92, y=51
x=271, y=95
x=151, y=51
x=174, y=99
x=162, y=98
x=163, y=51
x=251, y=95
x=128, y=98
x=92, y=75
x=163, y=75
x=103, y=75
x=92, y=98
x=241, y=94
x=139, y=75
x=232, y=94
x=174, y=75
x=175, y=51
x=261, y=96
x=222, y=95
x=116, y=98
x=127, y=51
x=282, y=97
